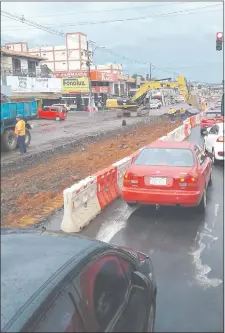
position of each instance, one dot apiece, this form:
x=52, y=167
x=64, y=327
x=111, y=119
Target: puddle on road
x=201, y=269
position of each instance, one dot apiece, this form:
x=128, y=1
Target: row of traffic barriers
x=86, y=199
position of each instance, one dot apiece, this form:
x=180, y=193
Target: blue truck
x=9, y=112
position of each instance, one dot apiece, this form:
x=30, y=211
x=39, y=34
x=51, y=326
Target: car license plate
x=157, y=181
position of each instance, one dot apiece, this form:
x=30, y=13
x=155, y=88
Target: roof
x=171, y=144
x=20, y=54
x=29, y=259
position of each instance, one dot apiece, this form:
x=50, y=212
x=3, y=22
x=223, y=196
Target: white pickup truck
x=155, y=104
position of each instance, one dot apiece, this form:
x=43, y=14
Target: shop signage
x=71, y=74
x=103, y=76
x=101, y=90
x=36, y=85
x=80, y=85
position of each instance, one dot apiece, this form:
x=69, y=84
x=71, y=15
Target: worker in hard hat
x=171, y=113
x=182, y=114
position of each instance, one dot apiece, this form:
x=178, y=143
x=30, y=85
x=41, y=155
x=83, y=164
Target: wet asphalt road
x=186, y=249
x=187, y=252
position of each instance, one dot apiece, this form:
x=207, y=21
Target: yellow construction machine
x=136, y=106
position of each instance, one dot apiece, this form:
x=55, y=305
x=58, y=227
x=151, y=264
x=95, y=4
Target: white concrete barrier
x=81, y=205
x=122, y=167
x=179, y=133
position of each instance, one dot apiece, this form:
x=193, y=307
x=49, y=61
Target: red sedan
x=210, y=118
x=53, y=112
x=168, y=173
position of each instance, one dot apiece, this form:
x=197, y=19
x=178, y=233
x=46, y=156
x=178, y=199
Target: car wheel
x=151, y=318
x=131, y=204
x=203, y=203
x=204, y=148
x=210, y=179
x=57, y=118
x=214, y=160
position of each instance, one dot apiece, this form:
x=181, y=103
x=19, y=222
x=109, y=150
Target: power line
x=62, y=34
x=170, y=14
x=107, y=10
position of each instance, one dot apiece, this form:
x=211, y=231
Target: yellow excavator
x=136, y=106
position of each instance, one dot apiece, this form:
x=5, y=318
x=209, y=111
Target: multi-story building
x=17, y=63
x=64, y=58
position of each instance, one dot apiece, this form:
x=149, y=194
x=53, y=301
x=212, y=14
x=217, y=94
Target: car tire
x=131, y=204
x=57, y=118
x=203, y=203
x=9, y=140
x=214, y=160
x=204, y=148
x=151, y=318
x=27, y=138
x=210, y=179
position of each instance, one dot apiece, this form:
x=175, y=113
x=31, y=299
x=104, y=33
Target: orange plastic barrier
x=193, y=121
x=107, y=187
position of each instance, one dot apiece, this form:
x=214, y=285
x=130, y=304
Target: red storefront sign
x=101, y=76
x=101, y=90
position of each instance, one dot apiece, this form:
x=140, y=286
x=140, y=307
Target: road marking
x=110, y=228
x=216, y=209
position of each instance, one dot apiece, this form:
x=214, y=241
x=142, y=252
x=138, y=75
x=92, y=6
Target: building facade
x=17, y=63
x=72, y=56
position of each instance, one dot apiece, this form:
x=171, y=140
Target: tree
x=134, y=76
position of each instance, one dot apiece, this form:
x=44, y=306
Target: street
x=48, y=135
x=187, y=253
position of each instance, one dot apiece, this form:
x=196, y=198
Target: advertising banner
x=102, y=90
x=80, y=85
x=36, y=85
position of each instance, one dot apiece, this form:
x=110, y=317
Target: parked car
x=210, y=118
x=169, y=173
x=55, y=282
x=52, y=112
x=155, y=104
x=65, y=106
x=214, y=142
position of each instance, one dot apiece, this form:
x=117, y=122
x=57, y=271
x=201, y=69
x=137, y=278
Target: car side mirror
x=205, y=133
x=139, y=279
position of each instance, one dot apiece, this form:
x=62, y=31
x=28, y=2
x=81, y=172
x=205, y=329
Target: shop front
x=75, y=92
x=102, y=85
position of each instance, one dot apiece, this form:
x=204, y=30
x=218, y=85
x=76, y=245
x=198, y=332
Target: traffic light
x=219, y=41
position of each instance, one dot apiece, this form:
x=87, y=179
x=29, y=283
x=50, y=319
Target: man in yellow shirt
x=20, y=131
x=172, y=112
x=182, y=114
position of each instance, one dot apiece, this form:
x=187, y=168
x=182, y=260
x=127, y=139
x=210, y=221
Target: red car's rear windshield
x=212, y=114
x=165, y=156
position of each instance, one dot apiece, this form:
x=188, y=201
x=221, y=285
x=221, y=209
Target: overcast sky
x=175, y=37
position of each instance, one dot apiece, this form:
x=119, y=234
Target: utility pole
x=150, y=71
x=88, y=63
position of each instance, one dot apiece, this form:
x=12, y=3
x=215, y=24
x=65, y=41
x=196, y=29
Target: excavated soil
x=35, y=193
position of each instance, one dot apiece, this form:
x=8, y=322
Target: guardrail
x=86, y=199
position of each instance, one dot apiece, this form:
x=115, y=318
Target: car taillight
x=130, y=179
x=187, y=181
x=220, y=139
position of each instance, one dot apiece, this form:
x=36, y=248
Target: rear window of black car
x=165, y=157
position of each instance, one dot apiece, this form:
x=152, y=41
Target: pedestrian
x=172, y=112
x=182, y=114
x=20, y=132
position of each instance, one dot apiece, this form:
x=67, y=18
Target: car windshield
x=213, y=114
x=170, y=157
